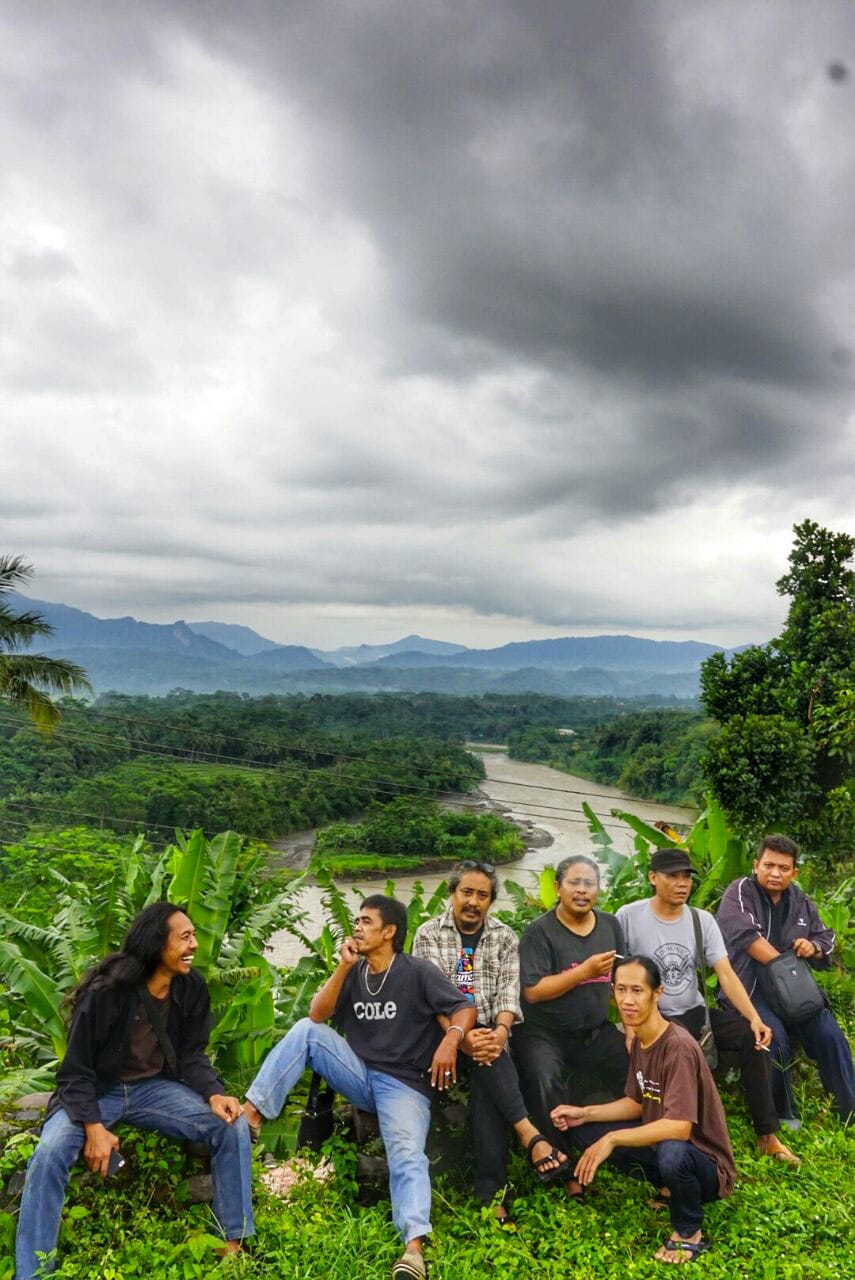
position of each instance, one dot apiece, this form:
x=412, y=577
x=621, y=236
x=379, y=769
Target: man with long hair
x=140, y=1021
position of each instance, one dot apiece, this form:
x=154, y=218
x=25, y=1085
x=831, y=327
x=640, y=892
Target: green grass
x=781, y=1224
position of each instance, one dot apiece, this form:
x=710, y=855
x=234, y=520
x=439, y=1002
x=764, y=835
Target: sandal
x=577, y=1196
x=693, y=1250
x=545, y=1175
x=410, y=1266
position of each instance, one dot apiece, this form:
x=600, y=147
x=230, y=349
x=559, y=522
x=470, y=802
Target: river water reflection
x=533, y=792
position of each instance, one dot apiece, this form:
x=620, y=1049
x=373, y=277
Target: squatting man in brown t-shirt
x=670, y=1126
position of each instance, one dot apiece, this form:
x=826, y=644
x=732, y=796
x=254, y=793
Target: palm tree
x=28, y=679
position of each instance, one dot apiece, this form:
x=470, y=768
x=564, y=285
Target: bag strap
x=699, y=954
x=159, y=1028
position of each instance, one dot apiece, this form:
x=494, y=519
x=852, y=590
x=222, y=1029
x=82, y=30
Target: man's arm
x=739, y=998
x=820, y=939
x=567, y=1116
x=443, y=1067
x=325, y=999
x=194, y=1065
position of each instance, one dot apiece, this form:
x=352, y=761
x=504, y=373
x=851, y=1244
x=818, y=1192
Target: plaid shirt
x=497, y=962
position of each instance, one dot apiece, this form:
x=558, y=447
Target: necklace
x=382, y=981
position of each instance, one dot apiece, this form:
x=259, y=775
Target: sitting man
x=387, y=1004
x=136, y=1055
x=481, y=955
x=566, y=959
x=670, y=1126
x=662, y=927
x=760, y=917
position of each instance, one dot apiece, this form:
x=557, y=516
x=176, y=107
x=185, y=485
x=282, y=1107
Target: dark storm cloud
x=549, y=183
x=429, y=305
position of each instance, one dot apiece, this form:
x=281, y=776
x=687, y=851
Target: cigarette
x=764, y=1047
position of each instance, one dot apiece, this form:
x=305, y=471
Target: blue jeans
x=159, y=1104
x=402, y=1112
x=823, y=1040
x=690, y=1176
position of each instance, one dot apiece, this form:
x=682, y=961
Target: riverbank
x=294, y=852
x=545, y=803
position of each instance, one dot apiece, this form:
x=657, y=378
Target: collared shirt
x=496, y=964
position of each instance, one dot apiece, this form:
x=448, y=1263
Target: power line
x=383, y=786
x=215, y=757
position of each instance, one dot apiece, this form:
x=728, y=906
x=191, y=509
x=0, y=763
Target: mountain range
x=128, y=655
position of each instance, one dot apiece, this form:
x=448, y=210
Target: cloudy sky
x=487, y=319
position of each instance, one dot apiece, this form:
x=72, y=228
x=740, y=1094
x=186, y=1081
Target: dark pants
x=690, y=1175
x=733, y=1035
x=563, y=1067
x=823, y=1040
x=495, y=1104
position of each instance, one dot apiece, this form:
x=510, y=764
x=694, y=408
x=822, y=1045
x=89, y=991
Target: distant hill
x=144, y=657
x=74, y=628
x=626, y=653
x=355, y=655
x=242, y=639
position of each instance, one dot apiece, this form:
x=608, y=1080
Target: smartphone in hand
x=117, y=1162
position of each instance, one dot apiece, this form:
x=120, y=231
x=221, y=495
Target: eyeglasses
x=486, y=867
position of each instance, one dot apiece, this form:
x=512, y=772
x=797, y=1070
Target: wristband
x=452, y=1026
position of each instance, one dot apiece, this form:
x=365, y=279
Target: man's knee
x=670, y=1156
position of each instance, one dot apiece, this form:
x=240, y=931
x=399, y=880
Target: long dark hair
x=136, y=959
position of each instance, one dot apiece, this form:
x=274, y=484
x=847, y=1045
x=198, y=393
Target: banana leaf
x=41, y=993
x=548, y=892
x=651, y=834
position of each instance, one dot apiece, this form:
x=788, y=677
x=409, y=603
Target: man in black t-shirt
x=386, y=1003
x=566, y=959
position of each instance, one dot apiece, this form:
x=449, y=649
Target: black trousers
x=495, y=1104
x=689, y=1174
x=565, y=1067
x=733, y=1035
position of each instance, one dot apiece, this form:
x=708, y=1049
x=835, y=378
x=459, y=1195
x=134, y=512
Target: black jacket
x=745, y=914
x=99, y=1034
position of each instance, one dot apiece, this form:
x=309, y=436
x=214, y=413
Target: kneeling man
x=136, y=1055
x=386, y=1003
x=670, y=1126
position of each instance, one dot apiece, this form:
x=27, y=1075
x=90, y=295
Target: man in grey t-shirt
x=662, y=927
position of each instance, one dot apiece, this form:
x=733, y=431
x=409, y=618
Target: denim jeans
x=402, y=1112
x=823, y=1040
x=690, y=1175
x=158, y=1104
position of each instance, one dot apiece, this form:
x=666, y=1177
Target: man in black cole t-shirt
x=566, y=958
x=386, y=1003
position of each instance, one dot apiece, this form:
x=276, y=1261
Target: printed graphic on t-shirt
x=465, y=975
x=677, y=966
x=603, y=977
x=650, y=1089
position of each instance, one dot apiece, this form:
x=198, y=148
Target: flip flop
x=543, y=1174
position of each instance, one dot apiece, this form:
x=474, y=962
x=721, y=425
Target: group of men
x=525, y=1022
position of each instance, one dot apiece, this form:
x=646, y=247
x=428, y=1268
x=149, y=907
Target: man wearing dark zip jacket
x=136, y=1055
x=760, y=917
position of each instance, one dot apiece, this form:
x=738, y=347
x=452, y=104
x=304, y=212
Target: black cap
x=670, y=860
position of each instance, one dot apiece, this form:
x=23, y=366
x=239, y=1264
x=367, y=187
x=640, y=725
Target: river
x=532, y=793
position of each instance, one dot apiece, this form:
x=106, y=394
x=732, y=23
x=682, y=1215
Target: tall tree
x=27, y=680
x=785, y=758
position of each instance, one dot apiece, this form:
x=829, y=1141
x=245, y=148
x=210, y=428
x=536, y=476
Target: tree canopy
x=785, y=758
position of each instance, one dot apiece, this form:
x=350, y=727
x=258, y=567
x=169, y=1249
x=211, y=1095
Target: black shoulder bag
x=158, y=1026
x=316, y=1122
x=791, y=988
x=706, y=1039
